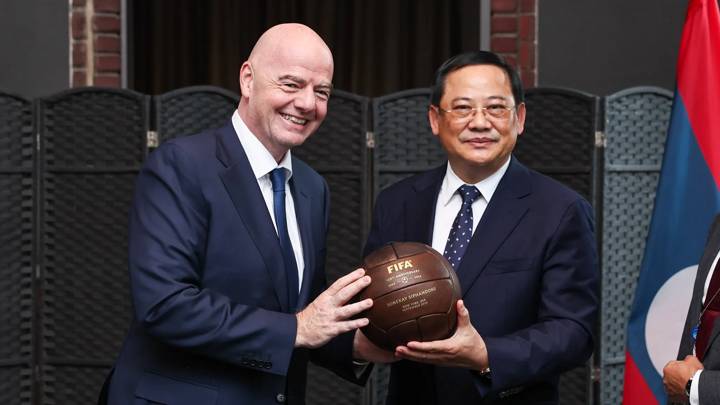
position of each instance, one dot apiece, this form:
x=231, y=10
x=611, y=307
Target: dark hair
x=475, y=58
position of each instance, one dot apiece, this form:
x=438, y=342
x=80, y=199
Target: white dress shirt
x=262, y=163
x=694, y=387
x=449, y=203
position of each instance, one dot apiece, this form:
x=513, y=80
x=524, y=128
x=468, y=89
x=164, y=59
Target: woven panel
x=325, y=388
x=191, y=110
x=16, y=249
x=559, y=136
x=404, y=142
x=574, y=387
x=87, y=304
x=15, y=266
x=404, y=146
x=15, y=385
x=636, y=124
x=73, y=385
x=86, y=187
x=94, y=129
x=337, y=151
x=339, y=143
x=611, y=388
x=345, y=237
x=16, y=133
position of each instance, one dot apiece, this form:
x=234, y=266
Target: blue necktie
x=277, y=177
x=461, y=230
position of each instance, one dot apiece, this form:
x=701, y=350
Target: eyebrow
x=500, y=98
x=302, y=82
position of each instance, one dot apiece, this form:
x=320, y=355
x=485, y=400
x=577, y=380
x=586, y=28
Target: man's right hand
x=329, y=316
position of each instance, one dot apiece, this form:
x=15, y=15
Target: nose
x=479, y=121
x=305, y=99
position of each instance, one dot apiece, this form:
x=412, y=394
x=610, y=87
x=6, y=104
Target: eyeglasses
x=497, y=111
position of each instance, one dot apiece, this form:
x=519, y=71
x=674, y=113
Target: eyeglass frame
x=474, y=110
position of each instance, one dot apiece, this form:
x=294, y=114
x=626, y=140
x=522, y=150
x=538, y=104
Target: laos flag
x=687, y=199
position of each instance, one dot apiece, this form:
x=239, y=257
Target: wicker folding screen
x=63, y=211
x=404, y=143
x=635, y=127
x=190, y=110
x=17, y=146
x=559, y=141
x=338, y=152
x=559, y=137
x=93, y=142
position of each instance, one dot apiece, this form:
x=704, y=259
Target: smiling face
x=285, y=87
x=480, y=144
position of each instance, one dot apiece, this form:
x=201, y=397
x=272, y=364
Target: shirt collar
x=487, y=186
x=261, y=161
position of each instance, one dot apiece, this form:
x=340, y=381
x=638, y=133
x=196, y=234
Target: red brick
x=503, y=24
x=112, y=6
x=503, y=44
x=511, y=60
x=79, y=54
x=527, y=6
x=528, y=78
x=527, y=54
x=79, y=78
x=107, y=63
x=107, y=43
x=527, y=27
x=107, y=80
x=106, y=23
x=504, y=5
x=78, y=25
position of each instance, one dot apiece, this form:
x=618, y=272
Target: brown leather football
x=414, y=291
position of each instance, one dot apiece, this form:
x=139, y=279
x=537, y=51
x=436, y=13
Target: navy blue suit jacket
x=529, y=279
x=212, y=323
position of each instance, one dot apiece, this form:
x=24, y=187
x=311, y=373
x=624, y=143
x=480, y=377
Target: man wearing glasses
x=522, y=244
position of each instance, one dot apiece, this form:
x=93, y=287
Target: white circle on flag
x=666, y=317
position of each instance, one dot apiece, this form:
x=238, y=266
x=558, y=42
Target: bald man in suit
x=227, y=250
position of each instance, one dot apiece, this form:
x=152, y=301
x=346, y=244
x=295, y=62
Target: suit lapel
x=303, y=203
x=420, y=208
x=502, y=215
x=245, y=194
x=704, y=269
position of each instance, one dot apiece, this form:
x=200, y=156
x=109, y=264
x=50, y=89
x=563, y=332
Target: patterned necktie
x=710, y=313
x=277, y=177
x=461, y=230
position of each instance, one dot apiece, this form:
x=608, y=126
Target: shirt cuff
x=694, y=389
x=359, y=367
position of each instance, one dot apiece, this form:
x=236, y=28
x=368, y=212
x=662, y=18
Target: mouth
x=293, y=119
x=480, y=141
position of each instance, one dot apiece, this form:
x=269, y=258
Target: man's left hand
x=676, y=375
x=466, y=348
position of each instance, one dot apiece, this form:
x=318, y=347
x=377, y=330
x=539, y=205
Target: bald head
x=289, y=38
x=285, y=85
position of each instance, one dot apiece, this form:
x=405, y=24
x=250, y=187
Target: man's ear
x=433, y=117
x=245, y=79
x=521, y=118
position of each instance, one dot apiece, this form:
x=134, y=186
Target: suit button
x=280, y=398
x=253, y=363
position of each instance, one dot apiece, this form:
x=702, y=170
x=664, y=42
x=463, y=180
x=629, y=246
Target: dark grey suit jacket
x=710, y=378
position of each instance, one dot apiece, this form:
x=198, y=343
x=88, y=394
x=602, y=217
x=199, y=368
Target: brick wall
x=95, y=43
x=96, y=25
x=513, y=35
